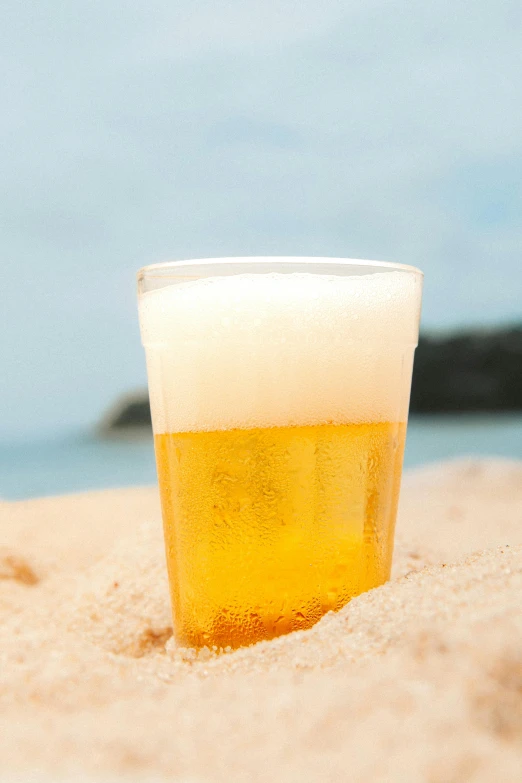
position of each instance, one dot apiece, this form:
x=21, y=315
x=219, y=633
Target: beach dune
x=418, y=680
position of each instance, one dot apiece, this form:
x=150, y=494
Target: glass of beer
x=279, y=391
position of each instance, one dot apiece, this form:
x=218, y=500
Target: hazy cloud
x=134, y=131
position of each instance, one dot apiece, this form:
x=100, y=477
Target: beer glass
x=279, y=391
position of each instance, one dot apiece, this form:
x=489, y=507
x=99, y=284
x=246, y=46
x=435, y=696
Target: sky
x=138, y=131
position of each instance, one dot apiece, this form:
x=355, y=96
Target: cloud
x=134, y=131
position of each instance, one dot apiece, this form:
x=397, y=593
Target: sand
x=419, y=680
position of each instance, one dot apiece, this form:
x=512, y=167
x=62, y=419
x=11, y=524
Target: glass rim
x=162, y=269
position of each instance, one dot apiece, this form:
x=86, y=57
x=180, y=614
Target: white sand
x=419, y=680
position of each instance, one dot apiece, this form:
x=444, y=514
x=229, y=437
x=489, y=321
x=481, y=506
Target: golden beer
x=279, y=395
x=268, y=529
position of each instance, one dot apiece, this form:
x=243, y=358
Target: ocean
x=82, y=461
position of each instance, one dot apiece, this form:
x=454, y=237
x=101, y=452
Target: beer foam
x=258, y=350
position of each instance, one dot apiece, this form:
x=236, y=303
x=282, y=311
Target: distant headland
x=469, y=372
x=466, y=372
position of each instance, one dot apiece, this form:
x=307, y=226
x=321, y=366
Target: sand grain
x=419, y=680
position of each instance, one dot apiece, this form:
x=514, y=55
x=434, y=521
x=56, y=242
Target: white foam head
x=261, y=350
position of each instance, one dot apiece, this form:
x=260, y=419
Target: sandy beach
x=418, y=680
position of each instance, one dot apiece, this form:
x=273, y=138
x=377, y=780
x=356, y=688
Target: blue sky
x=133, y=132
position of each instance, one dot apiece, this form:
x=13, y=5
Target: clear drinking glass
x=279, y=391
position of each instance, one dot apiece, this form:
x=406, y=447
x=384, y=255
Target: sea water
x=81, y=461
